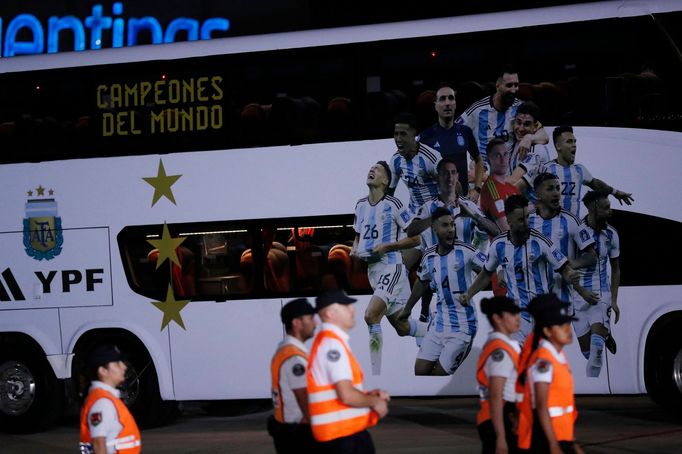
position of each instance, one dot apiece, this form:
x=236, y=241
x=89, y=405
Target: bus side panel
x=42, y=326
x=638, y=312
x=225, y=349
x=140, y=318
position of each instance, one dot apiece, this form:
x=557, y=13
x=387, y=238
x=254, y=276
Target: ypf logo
x=43, y=238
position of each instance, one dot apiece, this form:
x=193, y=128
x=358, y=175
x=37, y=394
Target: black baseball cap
x=549, y=310
x=296, y=308
x=332, y=296
x=104, y=354
x=498, y=305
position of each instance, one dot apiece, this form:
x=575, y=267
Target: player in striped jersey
x=447, y=269
x=493, y=115
x=471, y=225
x=572, y=176
x=603, y=278
x=378, y=218
x=527, y=121
x=524, y=255
x=414, y=163
x=565, y=230
x=468, y=216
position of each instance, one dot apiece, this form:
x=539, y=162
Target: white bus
x=228, y=153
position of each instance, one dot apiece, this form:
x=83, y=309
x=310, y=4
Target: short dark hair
x=495, y=141
x=387, y=169
x=444, y=161
x=542, y=177
x=446, y=84
x=592, y=196
x=529, y=108
x=560, y=130
x=406, y=118
x=514, y=202
x=506, y=68
x=439, y=213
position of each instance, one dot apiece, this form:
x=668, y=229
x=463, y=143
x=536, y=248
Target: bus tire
x=663, y=371
x=141, y=391
x=31, y=397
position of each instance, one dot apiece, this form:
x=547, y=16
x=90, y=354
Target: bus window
x=649, y=255
x=246, y=259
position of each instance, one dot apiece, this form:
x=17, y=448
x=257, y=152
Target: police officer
x=106, y=423
x=340, y=411
x=290, y=424
x=496, y=375
x=547, y=412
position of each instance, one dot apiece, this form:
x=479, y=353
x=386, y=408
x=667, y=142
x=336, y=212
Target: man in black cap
x=340, y=411
x=106, y=423
x=290, y=425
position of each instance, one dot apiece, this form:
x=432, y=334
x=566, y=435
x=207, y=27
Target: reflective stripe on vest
x=128, y=441
x=483, y=383
x=329, y=417
x=281, y=356
x=560, y=401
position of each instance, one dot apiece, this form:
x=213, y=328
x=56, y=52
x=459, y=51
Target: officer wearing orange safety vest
x=106, y=425
x=496, y=374
x=547, y=412
x=290, y=424
x=340, y=411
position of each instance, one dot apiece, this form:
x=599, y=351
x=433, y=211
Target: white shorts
x=391, y=284
x=449, y=349
x=589, y=315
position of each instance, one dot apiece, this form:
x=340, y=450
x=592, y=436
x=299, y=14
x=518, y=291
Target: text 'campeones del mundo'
x=167, y=105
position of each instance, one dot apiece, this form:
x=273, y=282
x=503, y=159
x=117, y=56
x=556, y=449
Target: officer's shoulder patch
x=298, y=370
x=333, y=355
x=95, y=418
x=542, y=366
x=498, y=355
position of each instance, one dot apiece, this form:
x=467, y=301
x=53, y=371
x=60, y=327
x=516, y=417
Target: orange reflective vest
x=329, y=418
x=560, y=401
x=128, y=439
x=280, y=358
x=483, y=383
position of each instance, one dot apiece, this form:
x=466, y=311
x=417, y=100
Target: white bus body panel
x=226, y=348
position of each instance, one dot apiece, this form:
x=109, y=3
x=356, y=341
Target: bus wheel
x=31, y=397
x=664, y=372
x=140, y=392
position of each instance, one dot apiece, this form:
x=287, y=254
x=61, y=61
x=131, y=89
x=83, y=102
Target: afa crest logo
x=43, y=237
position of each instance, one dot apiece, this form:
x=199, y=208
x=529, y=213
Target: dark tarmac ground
x=606, y=424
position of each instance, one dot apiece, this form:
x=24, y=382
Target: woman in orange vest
x=106, y=424
x=547, y=412
x=496, y=375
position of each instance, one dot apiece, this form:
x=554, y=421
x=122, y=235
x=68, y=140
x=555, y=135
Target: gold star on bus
x=167, y=247
x=41, y=190
x=30, y=193
x=171, y=309
x=162, y=184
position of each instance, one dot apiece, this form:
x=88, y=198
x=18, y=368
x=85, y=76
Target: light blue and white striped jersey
x=379, y=224
x=525, y=266
x=419, y=174
x=448, y=276
x=487, y=122
x=571, y=179
x=537, y=155
x=569, y=235
x=465, y=227
x=597, y=278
